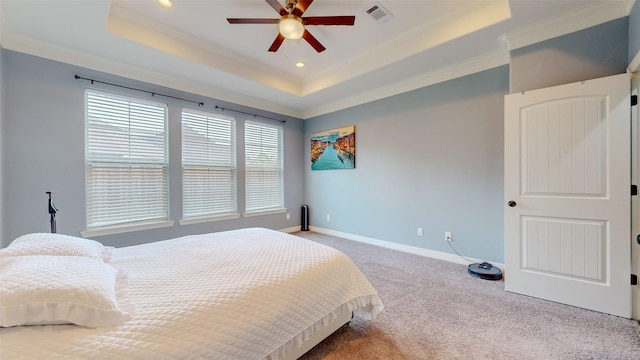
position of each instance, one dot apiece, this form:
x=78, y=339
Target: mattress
x=243, y=294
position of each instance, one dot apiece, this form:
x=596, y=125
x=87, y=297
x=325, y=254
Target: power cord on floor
x=456, y=251
x=483, y=270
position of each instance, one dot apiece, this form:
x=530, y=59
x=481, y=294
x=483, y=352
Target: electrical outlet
x=447, y=236
x=288, y=216
x=328, y=217
x=419, y=231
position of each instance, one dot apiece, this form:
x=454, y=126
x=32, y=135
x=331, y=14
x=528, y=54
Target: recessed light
x=300, y=64
x=165, y=3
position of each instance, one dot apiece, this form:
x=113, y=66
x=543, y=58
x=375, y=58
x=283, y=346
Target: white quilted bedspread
x=245, y=294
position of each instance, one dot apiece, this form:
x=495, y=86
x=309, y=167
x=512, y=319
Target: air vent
x=379, y=13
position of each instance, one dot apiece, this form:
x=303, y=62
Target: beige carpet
x=435, y=310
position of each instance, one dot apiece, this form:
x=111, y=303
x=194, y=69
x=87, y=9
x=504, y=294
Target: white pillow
x=43, y=289
x=57, y=244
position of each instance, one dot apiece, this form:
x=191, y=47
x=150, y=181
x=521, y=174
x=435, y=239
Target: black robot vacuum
x=485, y=271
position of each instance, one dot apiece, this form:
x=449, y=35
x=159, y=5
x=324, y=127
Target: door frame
x=635, y=200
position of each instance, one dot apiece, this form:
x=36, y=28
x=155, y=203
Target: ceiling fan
x=291, y=23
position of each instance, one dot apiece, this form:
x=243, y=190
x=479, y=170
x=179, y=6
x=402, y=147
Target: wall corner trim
x=634, y=67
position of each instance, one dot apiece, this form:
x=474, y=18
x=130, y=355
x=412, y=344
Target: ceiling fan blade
x=276, y=43
x=301, y=7
x=313, y=41
x=277, y=7
x=329, y=20
x=251, y=21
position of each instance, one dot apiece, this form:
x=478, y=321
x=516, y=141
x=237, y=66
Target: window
x=264, y=169
x=208, y=165
x=126, y=159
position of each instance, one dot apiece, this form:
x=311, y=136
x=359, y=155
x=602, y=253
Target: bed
x=242, y=294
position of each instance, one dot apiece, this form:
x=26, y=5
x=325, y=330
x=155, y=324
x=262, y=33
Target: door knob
x=511, y=203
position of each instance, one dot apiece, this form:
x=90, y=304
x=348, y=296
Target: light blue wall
x=430, y=158
x=43, y=130
x=433, y=158
x=634, y=31
x=588, y=54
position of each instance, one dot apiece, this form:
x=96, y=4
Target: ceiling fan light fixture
x=291, y=27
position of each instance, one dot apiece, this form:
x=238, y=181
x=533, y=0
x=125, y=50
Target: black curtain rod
x=254, y=115
x=146, y=91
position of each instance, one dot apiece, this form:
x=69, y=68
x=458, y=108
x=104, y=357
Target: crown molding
x=137, y=28
x=69, y=56
x=598, y=13
x=428, y=36
x=471, y=66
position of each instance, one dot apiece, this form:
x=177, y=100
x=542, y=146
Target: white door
x=567, y=194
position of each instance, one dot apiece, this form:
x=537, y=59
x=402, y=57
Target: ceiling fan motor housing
x=290, y=5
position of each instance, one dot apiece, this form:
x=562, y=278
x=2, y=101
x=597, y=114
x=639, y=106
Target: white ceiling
x=191, y=47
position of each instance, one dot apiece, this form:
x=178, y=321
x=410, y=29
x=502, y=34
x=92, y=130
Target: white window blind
x=208, y=164
x=264, y=169
x=126, y=159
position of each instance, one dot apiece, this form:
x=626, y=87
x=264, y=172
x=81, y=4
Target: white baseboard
x=401, y=247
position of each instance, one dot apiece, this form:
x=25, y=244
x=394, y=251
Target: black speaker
x=304, y=218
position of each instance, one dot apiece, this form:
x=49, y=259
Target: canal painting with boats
x=334, y=149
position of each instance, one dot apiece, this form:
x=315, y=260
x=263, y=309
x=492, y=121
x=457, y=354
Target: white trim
x=635, y=202
x=69, y=56
x=598, y=13
x=139, y=29
x=204, y=219
x=469, y=19
x=73, y=57
x=265, y=212
x=472, y=66
x=124, y=228
x=404, y=248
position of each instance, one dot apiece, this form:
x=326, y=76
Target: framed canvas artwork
x=334, y=149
